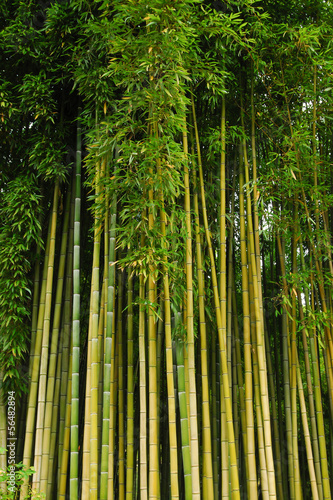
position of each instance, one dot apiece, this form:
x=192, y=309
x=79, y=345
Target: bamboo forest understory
x=166, y=272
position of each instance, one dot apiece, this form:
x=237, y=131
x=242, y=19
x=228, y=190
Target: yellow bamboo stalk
x=86, y=433
x=52, y=362
x=45, y=350
x=312, y=473
x=239, y=368
x=64, y=459
x=64, y=345
x=194, y=441
x=260, y=337
x=154, y=474
x=250, y=440
x=224, y=364
x=40, y=303
x=264, y=486
x=207, y=467
x=113, y=406
x=51, y=480
x=41, y=341
x=101, y=347
x=312, y=410
x=169, y=357
x=94, y=344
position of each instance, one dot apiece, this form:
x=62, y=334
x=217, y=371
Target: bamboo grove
x=166, y=248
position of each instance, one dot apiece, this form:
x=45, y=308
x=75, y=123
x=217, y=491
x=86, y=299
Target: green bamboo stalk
x=108, y=353
x=319, y=407
x=312, y=410
x=113, y=405
x=143, y=395
x=64, y=459
x=239, y=368
x=293, y=365
x=130, y=395
x=58, y=412
x=74, y=455
x=184, y=427
x=64, y=345
x=101, y=344
x=94, y=373
x=121, y=419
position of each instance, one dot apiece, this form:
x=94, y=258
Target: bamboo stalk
x=74, y=456
x=121, y=418
x=108, y=354
x=41, y=340
x=223, y=355
x=194, y=444
x=186, y=454
x=168, y=351
x=64, y=459
x=207, y=467
x=250, y=441
x=130, y=396
x=52, y=363
x=143, y=396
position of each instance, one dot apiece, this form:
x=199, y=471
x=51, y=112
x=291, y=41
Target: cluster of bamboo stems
x=232, y=408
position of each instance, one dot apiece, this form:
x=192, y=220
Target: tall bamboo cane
x=52, y=364
x=121, y=416
x=184, y=428
x=108, y=352
x=32, y=400
x=168, y=349
x=223, y=356
x=153, y=405
x=130, y=396
x=143, y=395
x=250, y=440
x=74, y=457
x=94, y=373
x=194, y=447
x=207, y=479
